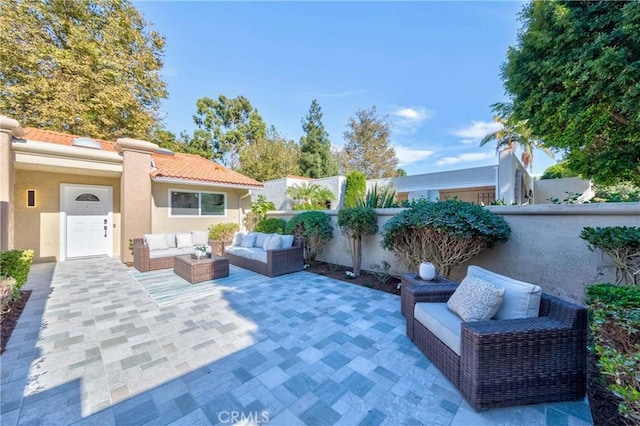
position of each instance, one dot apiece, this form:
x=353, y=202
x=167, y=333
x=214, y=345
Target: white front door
x=87, y=220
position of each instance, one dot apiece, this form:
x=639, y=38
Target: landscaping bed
x=9, y=318
x=365, y=279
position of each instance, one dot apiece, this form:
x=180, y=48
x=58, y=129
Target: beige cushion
x=476, y=300
x=443, y=323
x=287, y=241
x=274, y=243
x=260, y=239
x=156, y=241
x=248, y=240
x=200, y=238
x=171, y=240
x=184, y=240
x=521, y=299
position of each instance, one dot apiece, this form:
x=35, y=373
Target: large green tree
x=367, y=146
x=514, y=134
x=316, y=159
x=229, y=124
x=168, y=140
x=271, y=157
x=574, y=75
x=87, y=67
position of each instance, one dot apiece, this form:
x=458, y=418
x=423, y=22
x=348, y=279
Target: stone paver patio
x=97, y=346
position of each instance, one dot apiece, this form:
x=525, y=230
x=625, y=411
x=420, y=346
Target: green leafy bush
x=222, y=232
x=16, y=264
x=446, y=233
x=614, y=322
x=354, y=189
x=356, y=222
x=259, y=209
x=622, y=245
x=314, y=229
x=272, y=225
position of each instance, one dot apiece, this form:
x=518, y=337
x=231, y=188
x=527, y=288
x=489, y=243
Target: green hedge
x=272, y=225
x=614, y=323
x=16, y=264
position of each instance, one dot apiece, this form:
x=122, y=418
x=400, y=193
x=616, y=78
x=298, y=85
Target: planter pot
x=427, y=271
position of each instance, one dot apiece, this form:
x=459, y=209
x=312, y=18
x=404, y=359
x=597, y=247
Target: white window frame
x=199, y=215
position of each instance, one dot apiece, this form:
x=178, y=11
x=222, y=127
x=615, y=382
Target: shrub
x=222, y=232
x=446, y=233
x=314, y=229
x=354, y=189
x=622, y=245
x=259, y=209
x=356, y=222
x=614, y=322
x=7, y=287
x=16, y=264
x=378, y=198
x=272, y=225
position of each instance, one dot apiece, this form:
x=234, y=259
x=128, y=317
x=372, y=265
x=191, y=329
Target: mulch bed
x=365, y=279
x=9, y=319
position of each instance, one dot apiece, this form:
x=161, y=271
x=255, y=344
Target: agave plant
x=379, y=198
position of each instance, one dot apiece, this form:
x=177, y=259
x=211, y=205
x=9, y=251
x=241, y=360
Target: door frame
x=63, y=215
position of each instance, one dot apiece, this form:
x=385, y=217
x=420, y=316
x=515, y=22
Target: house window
x=197, y=203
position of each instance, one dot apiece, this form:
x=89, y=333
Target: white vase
x=427, y=271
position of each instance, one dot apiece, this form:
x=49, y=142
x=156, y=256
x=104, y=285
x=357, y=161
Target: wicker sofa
x=279, y=259
x=157, y=251
x=506, y=362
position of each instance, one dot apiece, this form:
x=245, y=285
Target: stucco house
x=66, y=196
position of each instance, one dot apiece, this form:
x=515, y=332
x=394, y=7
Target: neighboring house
x=66, y=197
x=276, y=190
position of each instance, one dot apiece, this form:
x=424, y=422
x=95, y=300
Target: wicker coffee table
x=410, y=280
x=203, y=269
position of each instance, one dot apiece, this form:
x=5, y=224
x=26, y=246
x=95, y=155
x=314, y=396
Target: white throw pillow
x=260, y=238
x=171, y=240
x=274, y=243
x=200, y=238
x=248, y=241
x=156, y=241
x=184, y=240
x=521, y=299
x=476, y=300
x=287, y=241
x=237, y=238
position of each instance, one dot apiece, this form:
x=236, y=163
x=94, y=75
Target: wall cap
x=616, y=209
x=128, y=144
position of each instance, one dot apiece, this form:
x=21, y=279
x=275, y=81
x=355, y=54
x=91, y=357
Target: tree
x=355, y=188
x=400, y=173
x=310, y=196
x=574, y=75
x=87, y=67
x=354, y=223
x=271, y=157
x=514, y=133
x=559, y=170
x=367, y=145
x=168, y=140
x=316, y=160
x=230, y=125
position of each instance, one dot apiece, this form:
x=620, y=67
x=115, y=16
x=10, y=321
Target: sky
x=432, y=68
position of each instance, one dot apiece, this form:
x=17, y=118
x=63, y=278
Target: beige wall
x=161, y=222
x=546, y=189
x=544, y=246
x=38, y=228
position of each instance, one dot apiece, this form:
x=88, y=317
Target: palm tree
x=310, y=194
x=514, y=133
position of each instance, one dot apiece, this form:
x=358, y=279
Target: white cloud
x=476, y=131
x=408, y=119
x=409, y=155
x=465, y=158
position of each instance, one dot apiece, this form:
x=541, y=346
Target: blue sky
x=432, y=67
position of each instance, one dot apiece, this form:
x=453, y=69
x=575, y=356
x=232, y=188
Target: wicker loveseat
x=157, y=251
x=277, y=259
x=506, y=362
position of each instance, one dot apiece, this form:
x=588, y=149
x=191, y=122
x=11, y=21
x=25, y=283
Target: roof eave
x=163, y=179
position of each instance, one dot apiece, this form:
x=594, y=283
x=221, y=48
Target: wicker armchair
x=509, y=362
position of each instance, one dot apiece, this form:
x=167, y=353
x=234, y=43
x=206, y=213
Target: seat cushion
x=168, y=252
x=443, y=323
x=521, y=299
x=156, y=241
x=245, y=252
x=200, y=238
x=476, y=300
x=259, y=256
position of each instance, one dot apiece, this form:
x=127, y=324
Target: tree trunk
x=357, y=255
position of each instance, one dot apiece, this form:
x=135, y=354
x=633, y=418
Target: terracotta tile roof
x=194, y=167
x=177, y=166
x=60, y=138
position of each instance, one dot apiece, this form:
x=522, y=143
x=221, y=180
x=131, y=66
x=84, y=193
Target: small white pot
x=427, y=271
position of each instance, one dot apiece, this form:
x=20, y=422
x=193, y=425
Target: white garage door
x=87, y=220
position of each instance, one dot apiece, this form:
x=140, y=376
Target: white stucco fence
x=544, y=247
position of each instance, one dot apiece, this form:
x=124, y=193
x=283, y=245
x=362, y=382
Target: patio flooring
x=100, y=343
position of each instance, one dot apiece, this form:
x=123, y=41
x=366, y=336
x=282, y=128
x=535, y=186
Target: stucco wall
x=38, y=228
x=547, y=189
x=161, y=222
x=544, y=247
